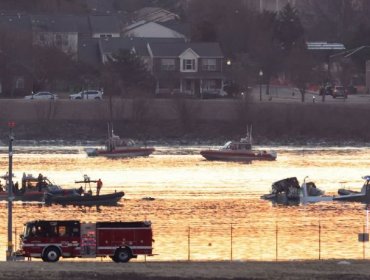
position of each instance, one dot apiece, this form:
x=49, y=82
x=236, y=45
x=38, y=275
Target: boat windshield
x=32, y=183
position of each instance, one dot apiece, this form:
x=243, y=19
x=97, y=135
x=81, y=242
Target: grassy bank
x=185, y=270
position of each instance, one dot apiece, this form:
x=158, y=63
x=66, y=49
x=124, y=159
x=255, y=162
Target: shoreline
x=321, y=269
x=163, y=142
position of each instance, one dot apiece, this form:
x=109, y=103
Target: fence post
x=15, y=239
x=189, y=243
x=363, y=243
x=231, y=242
x=319, y=240
x=276, y=241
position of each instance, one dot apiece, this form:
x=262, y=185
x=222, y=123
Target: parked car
x=87, y=94
x=41, y=95
x=339, y=91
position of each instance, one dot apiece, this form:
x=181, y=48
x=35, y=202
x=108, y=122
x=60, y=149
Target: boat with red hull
x=238, y=151
x=115, y=147
x=225, y=154
x=121, y=152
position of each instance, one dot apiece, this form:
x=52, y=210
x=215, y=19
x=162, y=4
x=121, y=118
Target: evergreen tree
x=289, y=29
x=125, y=74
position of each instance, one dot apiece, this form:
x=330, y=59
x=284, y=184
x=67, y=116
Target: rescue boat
x=115, y=147
x=238, y=151
x=85, y=196
x=84, y=199
x=33, y=189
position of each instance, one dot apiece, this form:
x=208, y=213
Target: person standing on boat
x=39, y=182
x=99, y=185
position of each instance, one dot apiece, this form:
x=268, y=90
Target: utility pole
x=9, y=253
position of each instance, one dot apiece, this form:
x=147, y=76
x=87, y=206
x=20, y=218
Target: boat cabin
x=232, y=145
x=115, y=141
x=40, y=183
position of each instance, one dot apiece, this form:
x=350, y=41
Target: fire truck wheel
x=122, y=255
x=51, y=255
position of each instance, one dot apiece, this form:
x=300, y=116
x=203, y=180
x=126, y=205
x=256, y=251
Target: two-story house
x=187, y=68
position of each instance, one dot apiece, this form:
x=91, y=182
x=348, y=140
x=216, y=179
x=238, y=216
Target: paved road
x=287, y=94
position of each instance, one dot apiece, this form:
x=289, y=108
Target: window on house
x=209, y=64
x=188, y=64
x=167, y=64
x=42, y=37
x=19, y=82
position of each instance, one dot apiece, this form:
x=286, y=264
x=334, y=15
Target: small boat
x=239, y=151
x=85, y=195
x=85, y=199
x=33, y=189
x=288, y=191
x=354, y=196
x=119, y=148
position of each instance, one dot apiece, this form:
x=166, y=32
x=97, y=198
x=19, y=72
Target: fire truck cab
x=121, y=241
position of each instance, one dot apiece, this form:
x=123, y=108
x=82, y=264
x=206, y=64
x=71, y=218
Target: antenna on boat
x=249, y=134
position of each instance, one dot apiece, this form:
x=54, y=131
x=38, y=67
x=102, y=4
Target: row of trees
x=275, y=42
x=48, y=68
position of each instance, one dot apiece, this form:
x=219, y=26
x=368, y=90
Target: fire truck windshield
x=28, y=229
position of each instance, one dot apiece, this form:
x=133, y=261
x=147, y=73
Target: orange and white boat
x=238, y=151
x=115, y=147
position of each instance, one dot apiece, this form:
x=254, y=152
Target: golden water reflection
x=211, y=210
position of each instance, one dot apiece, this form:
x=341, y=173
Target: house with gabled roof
x=139, y=46
x=194, y=69
x=147, y=29
x=179, y=67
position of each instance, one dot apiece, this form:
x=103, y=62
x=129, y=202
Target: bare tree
x=300, y=68
x=125, y=74
x=51, y=65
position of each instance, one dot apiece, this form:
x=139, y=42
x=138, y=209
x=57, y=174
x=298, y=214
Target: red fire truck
x=121, y=241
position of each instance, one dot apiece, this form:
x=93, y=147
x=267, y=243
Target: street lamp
x=260, y=75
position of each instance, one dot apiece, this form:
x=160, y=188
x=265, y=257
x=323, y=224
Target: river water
x=209, y=210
